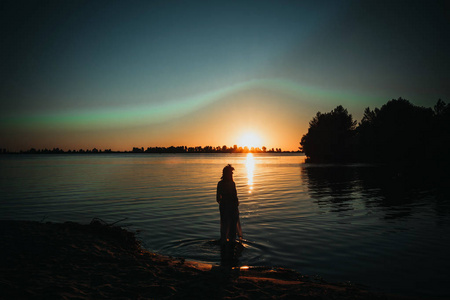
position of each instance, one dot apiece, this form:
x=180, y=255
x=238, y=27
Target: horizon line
x=155, y=149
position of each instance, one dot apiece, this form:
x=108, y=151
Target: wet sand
x=73, y=261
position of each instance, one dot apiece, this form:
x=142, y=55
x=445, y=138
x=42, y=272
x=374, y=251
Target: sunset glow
x=191, y=74
x=250, y=139
x=250, y=166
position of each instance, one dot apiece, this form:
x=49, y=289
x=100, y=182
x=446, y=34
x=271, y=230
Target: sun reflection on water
x=250, y=166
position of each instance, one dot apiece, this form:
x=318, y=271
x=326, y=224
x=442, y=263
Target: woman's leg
x=238, y=227
x=239, y=230
x=232, y=226
x=223, y=227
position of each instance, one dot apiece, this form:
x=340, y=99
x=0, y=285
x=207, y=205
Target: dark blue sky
x=68, y=63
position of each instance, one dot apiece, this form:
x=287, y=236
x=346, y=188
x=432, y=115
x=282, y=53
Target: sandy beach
x=73, y=261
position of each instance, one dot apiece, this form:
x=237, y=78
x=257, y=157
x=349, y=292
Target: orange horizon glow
x=258, y=120
x=250, y=139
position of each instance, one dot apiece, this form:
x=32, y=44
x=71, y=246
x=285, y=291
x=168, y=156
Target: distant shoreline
x=107, y=151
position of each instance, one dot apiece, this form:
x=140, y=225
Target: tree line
x=398, y=132
x=206, y=149
x=171, y=149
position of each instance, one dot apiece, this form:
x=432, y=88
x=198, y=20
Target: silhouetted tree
x=440, y=140
x=330, y=136
x=396, y=132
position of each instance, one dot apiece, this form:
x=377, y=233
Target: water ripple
x=340, y=222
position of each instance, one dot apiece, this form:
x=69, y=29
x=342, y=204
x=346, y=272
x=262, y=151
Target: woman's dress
x=229, y=211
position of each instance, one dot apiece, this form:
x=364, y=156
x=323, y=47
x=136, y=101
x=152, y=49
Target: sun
x=250, y=139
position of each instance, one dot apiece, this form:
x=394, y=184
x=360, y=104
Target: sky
x=123, y=74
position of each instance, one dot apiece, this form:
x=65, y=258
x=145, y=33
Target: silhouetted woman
x=228, y=203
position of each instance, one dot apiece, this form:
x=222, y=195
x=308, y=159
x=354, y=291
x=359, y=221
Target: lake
x=357, y=223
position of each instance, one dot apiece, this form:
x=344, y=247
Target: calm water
x=344, y=223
